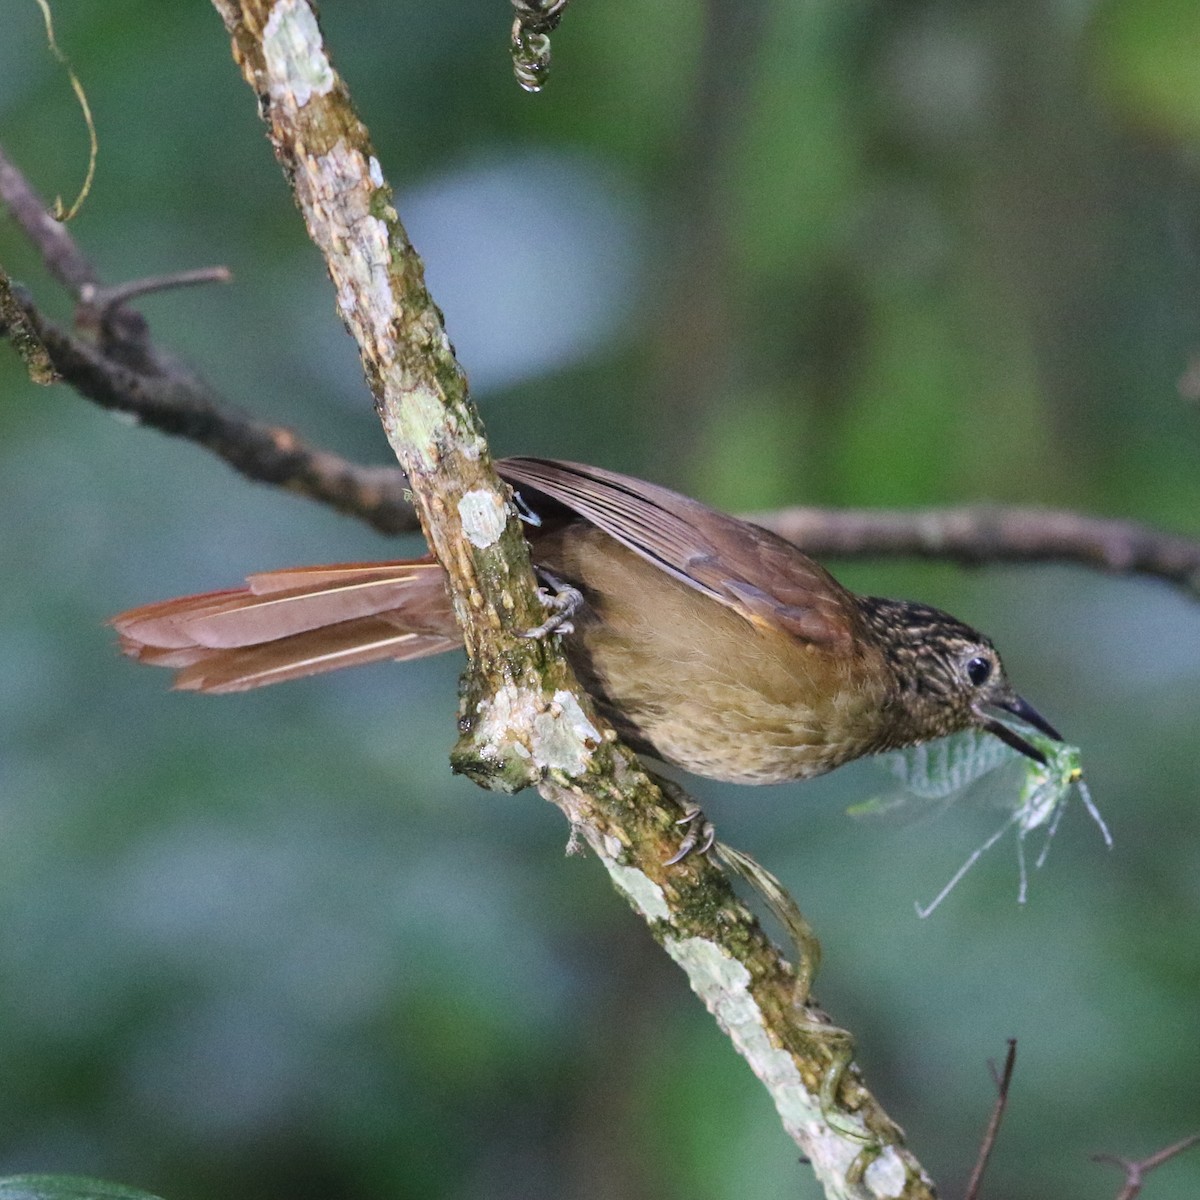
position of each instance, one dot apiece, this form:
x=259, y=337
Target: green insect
x=1037, y=795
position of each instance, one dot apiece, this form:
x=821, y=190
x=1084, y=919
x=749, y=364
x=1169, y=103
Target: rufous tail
x=288, y=624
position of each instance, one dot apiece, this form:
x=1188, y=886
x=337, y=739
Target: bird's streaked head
x=948, y=676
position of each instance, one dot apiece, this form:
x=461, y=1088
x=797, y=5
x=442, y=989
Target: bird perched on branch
x=708, y=642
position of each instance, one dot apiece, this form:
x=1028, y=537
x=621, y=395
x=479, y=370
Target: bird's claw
x=561, y=600
x=700, y=834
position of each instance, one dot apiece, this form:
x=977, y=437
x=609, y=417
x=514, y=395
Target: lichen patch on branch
x=364, y=285
x=515, y=747
x=563, y=737
x=294, y=54
x=422, y=424
x=723, y=983
x=483, y=517
x=886, y=1177
x=641, y=891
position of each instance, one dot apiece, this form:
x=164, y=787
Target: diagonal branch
x=525, y=719
x=179, y=403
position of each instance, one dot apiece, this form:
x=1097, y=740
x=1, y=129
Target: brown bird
x=708, y=642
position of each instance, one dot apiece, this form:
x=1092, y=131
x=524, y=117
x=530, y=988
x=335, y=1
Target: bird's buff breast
x=710, y=693
x=734, y=734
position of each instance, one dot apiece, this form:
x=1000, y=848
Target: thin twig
x=57, y=248
x=979, y=535
x=101, y=298
x=63, y=212
x=1137, y=1170
x=180, y=404
x=1003, y=1081
x=121, y=330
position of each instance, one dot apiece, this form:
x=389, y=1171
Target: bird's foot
x=700, y=834
x=807, y=952
x=561, y=600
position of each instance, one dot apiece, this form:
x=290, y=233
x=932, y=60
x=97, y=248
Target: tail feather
x=353, y=644
x=288, y=579
x=287, y=624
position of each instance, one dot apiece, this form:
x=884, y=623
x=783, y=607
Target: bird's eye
x=979, y=670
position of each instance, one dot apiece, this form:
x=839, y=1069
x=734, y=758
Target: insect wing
x=935, y=775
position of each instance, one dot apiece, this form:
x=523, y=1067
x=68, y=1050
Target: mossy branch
x=524, y=717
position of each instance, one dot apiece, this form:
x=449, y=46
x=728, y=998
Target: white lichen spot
x=418, y=424
x=723, y=984
x=716, y=977
x=483, y=516
x=361, y=258
x=886, y=1177
x=643, y=893
x=558, y=737
x=294, y=54
x=497, y=719
x=563, y=738
x=375, y=171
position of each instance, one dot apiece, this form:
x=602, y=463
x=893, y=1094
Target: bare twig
x=102, y=298
x=1137, y=1170
x=58, y=249
x=123, y=332
x=973, y=536
x=1003, y=1081
x=177, y=402
x=127, y=373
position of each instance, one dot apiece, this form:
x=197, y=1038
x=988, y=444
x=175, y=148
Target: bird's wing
x=760, y=576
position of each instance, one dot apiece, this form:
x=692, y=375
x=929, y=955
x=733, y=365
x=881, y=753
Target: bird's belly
x=692, y=682
x=736, y=738
x=740, y=713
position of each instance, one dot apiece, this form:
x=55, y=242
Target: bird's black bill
x=1015, y=740
x=1030, y=715
x=1023, y=711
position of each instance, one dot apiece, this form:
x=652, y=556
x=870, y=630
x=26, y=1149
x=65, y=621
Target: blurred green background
x=767, y=251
